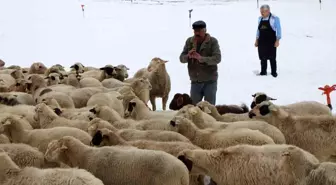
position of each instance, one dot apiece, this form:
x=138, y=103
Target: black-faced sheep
x=152, y=167
x=315, y=134
x=298, y=108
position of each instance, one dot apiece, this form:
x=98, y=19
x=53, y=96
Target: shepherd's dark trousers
x=208, y=90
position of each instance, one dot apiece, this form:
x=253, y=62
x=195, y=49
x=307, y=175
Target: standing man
x=202, y=53
x=268, y=37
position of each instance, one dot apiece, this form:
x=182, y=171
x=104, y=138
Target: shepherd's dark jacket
x=206, y=69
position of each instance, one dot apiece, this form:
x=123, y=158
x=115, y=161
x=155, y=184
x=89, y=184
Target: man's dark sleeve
x=184, y=54
x=216, y=56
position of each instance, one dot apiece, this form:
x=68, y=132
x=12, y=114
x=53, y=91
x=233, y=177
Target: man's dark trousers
x=266, y=49
x=208, y=90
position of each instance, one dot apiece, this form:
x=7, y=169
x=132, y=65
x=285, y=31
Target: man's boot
x=274, y=68
x=263, y=64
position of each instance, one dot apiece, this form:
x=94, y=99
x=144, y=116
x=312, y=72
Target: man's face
x=199, y=33
x=264, y=12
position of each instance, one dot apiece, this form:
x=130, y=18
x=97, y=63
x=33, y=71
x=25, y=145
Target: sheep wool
x=12, y=174
x=40, y=138
x=252, y=165
x=214, y=138
x=49, y=119
x=315, y=134
x=134, y=166
x=24, y=155
x=324, y=174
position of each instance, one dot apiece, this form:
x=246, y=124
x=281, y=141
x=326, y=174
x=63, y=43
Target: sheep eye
x=17, y=84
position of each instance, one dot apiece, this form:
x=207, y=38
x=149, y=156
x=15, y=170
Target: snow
x=115, y=32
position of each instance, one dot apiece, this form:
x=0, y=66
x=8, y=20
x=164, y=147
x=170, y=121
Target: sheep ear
x=193, y=111
x=207, y=110
x=187, y=162
x=47, y=77
x=164, y=61
x=120, y=97
x=102, y=68
x=253, y=95
x=6, y=123
x=270, y=98
x=63, y=147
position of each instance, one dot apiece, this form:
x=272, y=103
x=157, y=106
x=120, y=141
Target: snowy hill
x=112, y=31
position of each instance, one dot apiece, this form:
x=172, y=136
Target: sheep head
x=37, y=68
x=9, y=99
x=141, y=83
x=34, y=82
x=124, y=69
x=17, y=74
x=7, y=165
x=179, y=100
x=265, y=109
x=78, y=67
x=156, y=63
x=109, y=71
x=53, y=79
x=103, y=137
x=41, y=108
x=54, y=151
x=95, y=109
x=260, y=97
x=189, y=111
x=20, y=86
x=206, y=107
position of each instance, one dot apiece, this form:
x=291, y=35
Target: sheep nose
x=90, y=118
x=172, y=123
x=251, y=115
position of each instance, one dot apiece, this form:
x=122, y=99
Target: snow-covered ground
x=115, y=32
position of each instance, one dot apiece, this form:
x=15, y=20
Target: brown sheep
x=180, y=100
x=37, y=68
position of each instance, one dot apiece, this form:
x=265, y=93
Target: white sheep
x=160, y=81
x=110, y=115
x=12, y=174
x=210, y=109
x=53, y=79
x=115, y=165
x=24, y=155
x=112, y=99
x=106, y=137
x=26, y=111
x=324, y=174
x=81, y=96
x=202, y=120
x=72, y=114
x=134, y=134
x=39, y=90
x=101, y=74
x=222, y=138
x=90, y=82
x=298, y=108
x=140, y=87
x=37, y=68
x=252, y=165
x=315, y=134
x=49, y=119
x=138, y=110
x=39, y=138
x=15, y=98
x=4, y=139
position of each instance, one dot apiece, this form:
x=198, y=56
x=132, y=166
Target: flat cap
x=199, y=25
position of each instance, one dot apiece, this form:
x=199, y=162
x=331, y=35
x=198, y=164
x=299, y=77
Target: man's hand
x=191, y=52
x=196, y=56
x=276, y=43
x=256, y=43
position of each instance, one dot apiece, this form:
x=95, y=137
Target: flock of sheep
x=92, y=126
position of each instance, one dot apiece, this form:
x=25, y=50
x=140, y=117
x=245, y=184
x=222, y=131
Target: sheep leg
x=152, y=100
x=164, y=102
